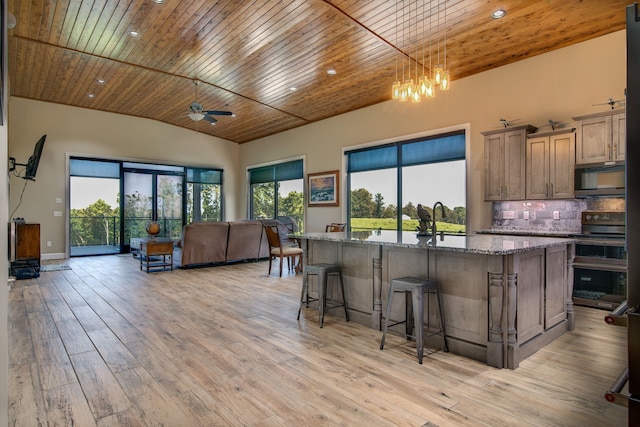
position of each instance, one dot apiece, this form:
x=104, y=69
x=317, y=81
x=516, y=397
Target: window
x=113, y=201
x=277, y=191
x=94, y=193
x=404, y=174
x=204, y=190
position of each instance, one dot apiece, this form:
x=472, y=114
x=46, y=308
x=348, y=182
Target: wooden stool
x=322, y=271
x=414, y=289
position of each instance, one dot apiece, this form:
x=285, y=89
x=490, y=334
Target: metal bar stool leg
x=386, y=315
x=344, y=298
x=417, y=297
x=445, y=348
x=322, y=295
x=305, y=290
x=409, y=324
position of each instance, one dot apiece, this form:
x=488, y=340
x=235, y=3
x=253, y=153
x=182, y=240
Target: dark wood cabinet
x=24, y=250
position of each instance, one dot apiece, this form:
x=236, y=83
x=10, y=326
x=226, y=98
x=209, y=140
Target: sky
x=443, y=182
x=425, y=184
x=85, y=191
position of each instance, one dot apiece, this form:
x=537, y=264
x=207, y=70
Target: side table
x=154, y=248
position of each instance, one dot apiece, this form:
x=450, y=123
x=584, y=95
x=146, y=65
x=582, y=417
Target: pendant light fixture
x=445, y=80
x=396, y=88
x=417, y=85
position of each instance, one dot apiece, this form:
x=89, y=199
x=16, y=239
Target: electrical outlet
x=508, y=215
x=57, y=213
x=556, y=214
x=58, y=200
x=48, y=243
x=525, y=214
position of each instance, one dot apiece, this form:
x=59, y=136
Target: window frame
x=399, y=164
x=284, y=170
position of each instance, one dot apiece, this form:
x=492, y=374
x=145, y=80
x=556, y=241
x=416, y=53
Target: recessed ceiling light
x=332, y=72
x=500, y=13
x=91, y=95
x=293, y=88
x=100, y=81
x=158, y=1
x=133, y=33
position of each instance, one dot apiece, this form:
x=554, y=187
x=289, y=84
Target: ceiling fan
x=504, y=122
x=197, y=111
x=612, y=103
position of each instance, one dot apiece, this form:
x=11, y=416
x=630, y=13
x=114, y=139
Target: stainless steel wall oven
x=600, y=267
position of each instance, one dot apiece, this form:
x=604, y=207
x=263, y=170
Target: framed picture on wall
x=323, y=189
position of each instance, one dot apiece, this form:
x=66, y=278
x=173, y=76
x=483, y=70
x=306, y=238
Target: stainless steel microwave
x=600, y=179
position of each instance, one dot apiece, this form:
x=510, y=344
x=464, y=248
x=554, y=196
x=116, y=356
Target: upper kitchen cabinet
x=600, y=137
x=504, y=163
x=550, y=164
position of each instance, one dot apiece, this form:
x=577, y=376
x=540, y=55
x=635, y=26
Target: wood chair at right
x=335, y=227
x=278, y=249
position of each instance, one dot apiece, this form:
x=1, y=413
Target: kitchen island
x=504, y=297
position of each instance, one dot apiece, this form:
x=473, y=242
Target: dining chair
x=278, y=249
x=335, y=227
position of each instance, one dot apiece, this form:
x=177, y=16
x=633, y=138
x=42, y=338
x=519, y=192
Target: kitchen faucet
x=434, y=228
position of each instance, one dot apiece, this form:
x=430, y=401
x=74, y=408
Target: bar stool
x=414, y=290
x=322, y=271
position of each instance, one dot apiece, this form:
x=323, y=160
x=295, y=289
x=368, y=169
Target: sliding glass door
x=152, y=193
x=113, y=201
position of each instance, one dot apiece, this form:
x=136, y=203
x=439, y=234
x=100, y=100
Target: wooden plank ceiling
x=249, y=54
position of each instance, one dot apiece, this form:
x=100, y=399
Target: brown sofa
x=206, y=243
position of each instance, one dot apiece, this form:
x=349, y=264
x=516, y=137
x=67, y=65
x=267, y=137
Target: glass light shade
x=407, y=90
x=422, y=85
x=445, y=83
x=430, y=90
x=196, y=117
x=404, y=93
x=438, y=71
x=396, y=90
x=415, y=97
x=411, y=87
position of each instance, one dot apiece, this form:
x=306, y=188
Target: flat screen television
x=34, y=160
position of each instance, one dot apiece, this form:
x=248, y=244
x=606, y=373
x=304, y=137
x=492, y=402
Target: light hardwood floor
x=106, y=344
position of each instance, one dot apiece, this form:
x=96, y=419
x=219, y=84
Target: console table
x=156, y=248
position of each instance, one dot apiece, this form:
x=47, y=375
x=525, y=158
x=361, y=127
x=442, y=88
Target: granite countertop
x=529, y=232
x=491, y=244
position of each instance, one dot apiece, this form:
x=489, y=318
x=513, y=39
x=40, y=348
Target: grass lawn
x=407, y=225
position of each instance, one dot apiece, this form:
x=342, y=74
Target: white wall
x=557, y=85
x=79, y=131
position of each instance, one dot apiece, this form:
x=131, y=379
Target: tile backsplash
x=550, y=215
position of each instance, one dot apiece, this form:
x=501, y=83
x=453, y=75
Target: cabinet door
x=594, y=140
x=537, y=168
x=494, y=156
x=619, y=139
x=561, y=166
x=27, y=241
x=514, y=166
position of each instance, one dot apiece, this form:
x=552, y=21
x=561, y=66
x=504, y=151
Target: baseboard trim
x=52, y=256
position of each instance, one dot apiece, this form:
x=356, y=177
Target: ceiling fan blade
x=210, y=119
x=218, y=113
